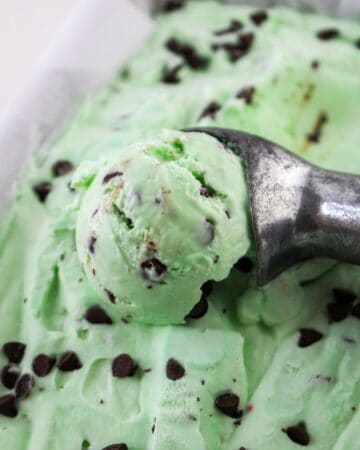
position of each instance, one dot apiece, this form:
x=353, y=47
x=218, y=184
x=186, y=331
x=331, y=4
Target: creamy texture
x=251, y=342
x=166, y=216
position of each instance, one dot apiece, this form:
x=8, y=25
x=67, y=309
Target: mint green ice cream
x=168, y=215
x=250, y=368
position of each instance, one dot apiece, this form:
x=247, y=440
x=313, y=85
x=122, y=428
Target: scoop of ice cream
x=167, y=216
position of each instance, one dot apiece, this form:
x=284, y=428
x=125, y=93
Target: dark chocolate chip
x=210, y=110
x=24, y=386
x=14, y=351
x=210, y=232
x=42, y=190
x=315, y=135
x=204, y=191
x=258, y=17
x=207, y=287
x=244, y=265
x=198, y=310
x=229, y=404
x=61, y=168
x=238, y=49
x=357, y=43
x=8, y=405
x=190, y=55
x=344, y=295
x=174, y=370
x=242, y=448
x=327, y=34
x=123, y=366
x=315, y=64
x=96, y=315
x=356, y=310
x=338, y=312
x=111, y=175
x=173, y=5
x=92, y=242
x=235, y=25
x=153, y=270
x=43, y=364
x=110, y=295
x=116, y=447
x=68, y=362
x=246, y=93
x=171, y=75
x=298, y=434
x=309, y=336
x=9, y=376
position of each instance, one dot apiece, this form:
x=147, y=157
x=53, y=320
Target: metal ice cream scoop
x=298, y=210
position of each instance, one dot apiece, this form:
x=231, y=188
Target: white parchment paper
x=98, y=38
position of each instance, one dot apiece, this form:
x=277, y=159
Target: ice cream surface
x=251, y=368
x=169, y=215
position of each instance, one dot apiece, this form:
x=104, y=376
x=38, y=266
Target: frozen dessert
x=155, y=225
x=246, y=368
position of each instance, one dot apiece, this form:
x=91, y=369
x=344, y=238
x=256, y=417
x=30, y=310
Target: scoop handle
x=298, y=210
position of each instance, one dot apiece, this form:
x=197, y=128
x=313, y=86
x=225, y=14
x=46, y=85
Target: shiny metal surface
x=298, y=210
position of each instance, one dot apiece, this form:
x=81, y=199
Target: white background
x=26, y=27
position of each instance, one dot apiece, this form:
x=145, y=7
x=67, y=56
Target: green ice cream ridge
x=165, y=217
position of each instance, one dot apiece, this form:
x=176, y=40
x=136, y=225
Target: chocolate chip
x=238, y=49
x=229, y=404
x=68, y=362
x=315, y=135
x=357, y=43
x=210, y=232
x=92, y=242
x=258, y=17
x=43, y=364
x=174, y=370
x=173, y=5
x=356, y=310
x=171, y=75
x=242, y=448
x=8, y=406
x=110, y=295
x=61, y=168
x=190, y=55
x=24, y=386
x=315, y=64
x=309, y=336
x=116, y=447
x=344, y=295
x=327, y=34
x=298, y=434
x=235, y=25
x=96, y=315
x=207, y=287
x=204, y=191
x=153, y=270
x=246, y=93
x=198, y=310
x=42, y=190
x=123, y=366
x=111, y=175
x=244, y=265
x=338, y=312
x=210, y=110
x=9, y=376
x=14, y=351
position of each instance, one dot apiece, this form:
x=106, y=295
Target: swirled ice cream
x=249, y=368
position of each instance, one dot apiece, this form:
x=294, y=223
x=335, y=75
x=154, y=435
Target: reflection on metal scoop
x=298, y=210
